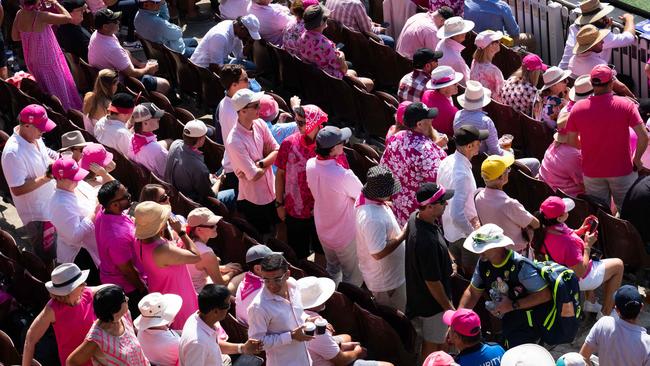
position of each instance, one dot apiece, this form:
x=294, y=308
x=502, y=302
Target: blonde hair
x=528, y=76
x=102, y=92
x=481, y=55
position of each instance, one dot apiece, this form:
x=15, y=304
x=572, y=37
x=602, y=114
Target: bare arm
x=139, y=72
x=29, y=186
x=210, y=263
x=534, y=223
x=641, y=144
x=345, y=358
x=15, y=33
x=131, y=274
x=82, y=354
x=573, y=139
x=470, y=297
x=35, y=333
x=63, y=17
x=438, y=293
x=629, y=23
x=392, y=244
x=586, y=351
x=270, y=159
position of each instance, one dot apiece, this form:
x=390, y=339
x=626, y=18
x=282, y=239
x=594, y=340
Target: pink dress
x=123, y=350
x=47, y=63
x=72, y=323
x=169, y=280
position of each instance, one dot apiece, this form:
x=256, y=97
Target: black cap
x=416, y=112
x=71, y=5
x=423, y=56
x=122, y=102
x=105, y=16
x=628, y=301
x=467, y=134
x=314, y=16
x=429, y=190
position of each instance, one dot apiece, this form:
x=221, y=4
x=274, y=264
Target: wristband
x=240, y=348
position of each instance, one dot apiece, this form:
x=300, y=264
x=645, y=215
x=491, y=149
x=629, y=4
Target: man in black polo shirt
x=428, y=268
x=72, y=37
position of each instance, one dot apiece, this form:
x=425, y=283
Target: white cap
x=244, y=97
x=571, y=359
x=195, y=128
x=251, y=23
x=486, y=37
x=528, y=354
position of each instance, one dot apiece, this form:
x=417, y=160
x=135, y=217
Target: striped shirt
x=352, y=14
x=412, y=86
x=123, y=350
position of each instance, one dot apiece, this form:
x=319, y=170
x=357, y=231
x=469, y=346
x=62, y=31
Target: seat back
x=156, y=51
x=8, y=246
x=8, y=353
x=537, y=136
x=376, y=117
x=358, y=295
x=183, y=115
x=161, y=101
x=507, y=121
x=290, y=81
x=35, y=266
x=186, y=74
x=579, y=212
x=620, y=239
x=537, y=189
x=211, y=89
x=213, y=154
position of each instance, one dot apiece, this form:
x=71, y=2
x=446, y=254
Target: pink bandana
x=140, y=140
x=314, y=117
x=363, y=200
x=250, y=284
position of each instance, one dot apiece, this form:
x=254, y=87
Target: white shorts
x=595, y=277
x=432, y=329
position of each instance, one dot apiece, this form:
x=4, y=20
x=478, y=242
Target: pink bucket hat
x=268, y=108
x=36, y=115
x=532, y=62
x=67, y=168
x=314, y=117
x=439, y=358
x=399, y=115
x=95, y=153
x=463, y=321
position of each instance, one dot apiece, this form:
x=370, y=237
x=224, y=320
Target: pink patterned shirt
x=414, y=159
x=291, y=36
x=124, y=350
x=317, y=49
x=458, y=6
x=489, y=76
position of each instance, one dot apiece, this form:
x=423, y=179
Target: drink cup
x=321, y=326
x=310, y=328
x=152, y=62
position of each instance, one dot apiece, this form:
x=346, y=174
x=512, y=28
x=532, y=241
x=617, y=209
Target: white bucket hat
x=486, y=37
x=157, y=309
x=476, y=96
x=455, y=26
x=315, y=291
x=443, y=76
x=488, y=236
x=66, y=278
x=554, y=75
x=527, y=355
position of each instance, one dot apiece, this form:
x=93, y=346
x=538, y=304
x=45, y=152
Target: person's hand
x=638, y=164
x=503, y=307
x=299, y=335
x=151, y=69
x=340, y=55
x=252, y=346
x=234, y=267
x=590, y=238
x=97, y=169
x=442, y=140
x=349, y=346
x=360, y=351
x=282, y=212
x=627, y=17
x=284, y=116
x=294, y=102
x=176, y=225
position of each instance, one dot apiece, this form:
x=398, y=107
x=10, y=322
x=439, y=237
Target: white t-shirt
x=227, y=120
x=199, y=277
x=160, y=346
x=22, y=161
x=322, y=349
x=619, y=343
x=198, y=345
x=375, y=224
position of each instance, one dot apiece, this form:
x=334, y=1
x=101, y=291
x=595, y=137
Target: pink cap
x=601, y=75
x=463, y=321
x=439, y=358
x=95, y=153
x=554, y=207
x=532, y=62
x=67, y=168
x=308, y=3
x=314, y=117
x=399, y=115
x=36, y=115
x=268, y=108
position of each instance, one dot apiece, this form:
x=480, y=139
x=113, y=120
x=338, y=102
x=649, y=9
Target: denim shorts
x=149, y=82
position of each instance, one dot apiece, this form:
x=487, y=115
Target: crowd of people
x=136, y=284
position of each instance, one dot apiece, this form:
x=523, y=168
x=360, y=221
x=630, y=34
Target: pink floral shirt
x=291, y=36
x=489, y=76
x=458, y=6
x=317, y=49
x=414, y=159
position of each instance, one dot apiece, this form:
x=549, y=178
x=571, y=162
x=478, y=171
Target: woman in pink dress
x=43, y=57
x=70, y=312
x=163, y=261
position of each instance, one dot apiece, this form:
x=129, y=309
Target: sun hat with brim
x=443, y=76
x=73, y=139
x=527, y=355
x=587, y=37
x=202, y=216
x=95, y=153
x=454, y=26
x=488, y=236
x=571, y=359
x=157, y=309
x=36, y=115
x=554, y=206
x=476, y=96
x=581, y=89
x=554, y=75
x=380, y=183
x=252, y=25
x=315, y=291
x=439, y=358
x=592, y=10
x=150, y=218
x=65, y=278
x=486, y=38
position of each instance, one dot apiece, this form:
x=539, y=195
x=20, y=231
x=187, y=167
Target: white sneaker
x=592, y=307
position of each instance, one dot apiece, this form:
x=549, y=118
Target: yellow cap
x=494, y=166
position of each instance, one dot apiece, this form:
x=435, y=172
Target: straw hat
x=150, y=217
x=587, y=37
x=554, y=75
x=315, y=291
x=488, y=236
x=443, y=76
x=581, y=89
x=66, y=278
x=476, y=96
x=455, y=26
x=592, y=10
x=157, y=309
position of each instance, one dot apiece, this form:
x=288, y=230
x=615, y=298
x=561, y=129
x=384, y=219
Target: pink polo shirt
x=603, y=123
x=245, y=148
x=562, y=168
x=564, y=246
x=444, y=121
x=335, y=189
x=418, y=32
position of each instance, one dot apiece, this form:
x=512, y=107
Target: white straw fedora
x=455, y=26
x=157, y=309
x=66, y=278
x=488, y=236
x=443, y=76
x=592, y=10
x=476, y=96
x=581, y=89
x=314, y=291
x=554, y=75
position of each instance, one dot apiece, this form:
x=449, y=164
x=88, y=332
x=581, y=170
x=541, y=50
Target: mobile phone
x=593, y=224
x=340, y=46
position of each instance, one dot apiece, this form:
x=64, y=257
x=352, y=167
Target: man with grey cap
x=380, y=241
x=252, y=151
x=335, y=189
x=145, y=148
x=252, y=282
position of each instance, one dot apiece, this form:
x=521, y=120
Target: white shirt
x=582, y=64
x=198, y=344
x=152, y=155
x=376, y=223
x=273, y=19
x=451, y=57
x=199, y=277
x=22, y=161
x=619, y=343
x=611, y=41
x=455, y=172
x=231, y=9
x=69, y=214
x=322, y=349
x=227, y=120
x=160, y=346
x=271, y=318
x=113, y=133
x=217, y=44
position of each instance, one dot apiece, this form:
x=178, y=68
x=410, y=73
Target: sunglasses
x=276, y=279
x=126, y=197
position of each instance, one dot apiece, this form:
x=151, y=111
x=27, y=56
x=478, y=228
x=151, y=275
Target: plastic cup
x=152, y=61
x=321, y=326
x=310, y=328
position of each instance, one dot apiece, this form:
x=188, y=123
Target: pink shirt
x=562, y=168
x=291, y=36
x=564, y=246
x=444, y=121
x=602, y=122
x=245, y=148
x=273, y=18
x=489, y=76
x=115, y=235
x=414, y=159
x=72, y=323
x=315, y=48
x=419, y=31
x=105, y=52
x=451, y=56
x=335, y=189
x=123, y=350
